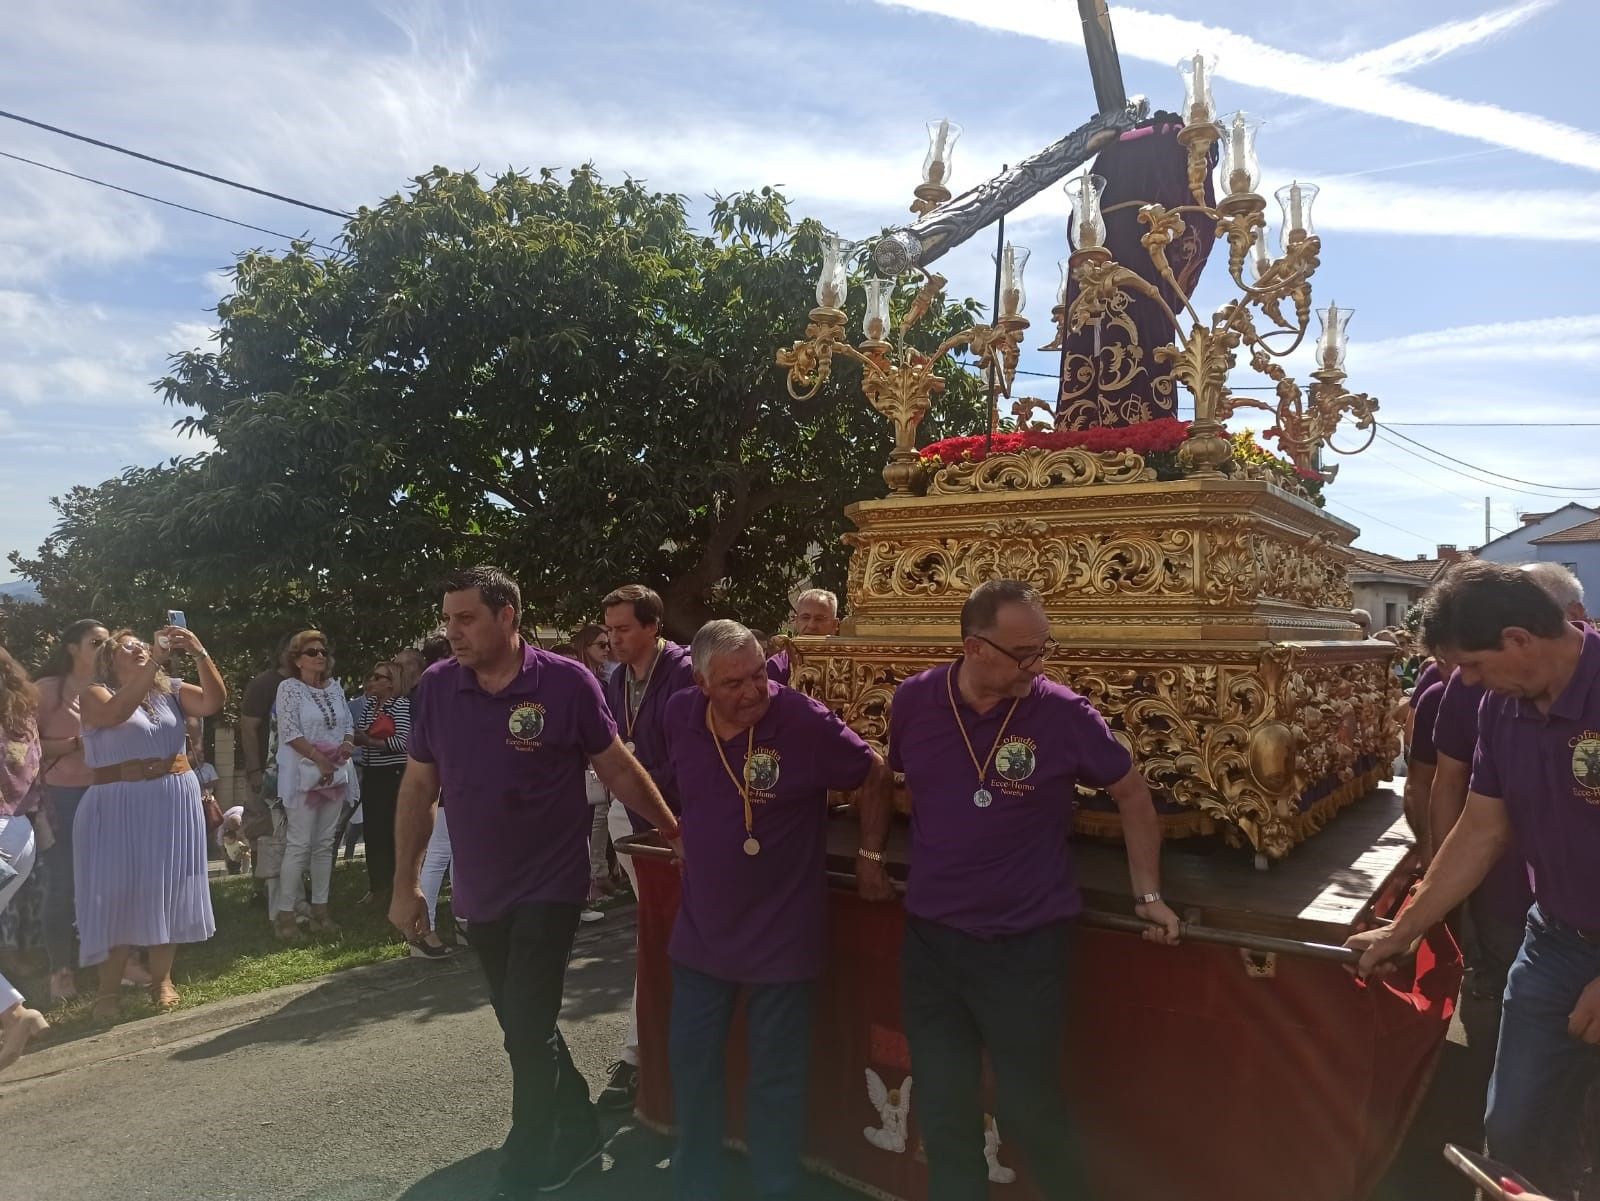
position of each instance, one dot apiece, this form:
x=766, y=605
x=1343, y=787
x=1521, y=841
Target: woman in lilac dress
x=139, y=840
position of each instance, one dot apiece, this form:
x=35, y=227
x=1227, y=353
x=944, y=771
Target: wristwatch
x=1147, y=898
x=873, y=856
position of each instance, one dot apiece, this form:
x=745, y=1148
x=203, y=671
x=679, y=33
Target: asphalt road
x=388, y=1084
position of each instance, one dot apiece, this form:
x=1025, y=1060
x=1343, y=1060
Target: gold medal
x=983, y=798
x=751, y=846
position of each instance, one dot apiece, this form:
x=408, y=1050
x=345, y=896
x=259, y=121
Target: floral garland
x=1156, y=441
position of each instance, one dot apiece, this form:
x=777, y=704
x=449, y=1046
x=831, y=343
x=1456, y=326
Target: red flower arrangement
x=1147, y=437
x=1156, y=441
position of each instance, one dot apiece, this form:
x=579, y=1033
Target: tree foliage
x=550, y=373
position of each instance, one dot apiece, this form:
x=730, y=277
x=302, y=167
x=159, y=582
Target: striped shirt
x=393, y=751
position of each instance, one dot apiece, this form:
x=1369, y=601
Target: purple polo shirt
x=778, y=667
x=673, y=673
x=1427, y=678
x=513, y=765
x=758, y=919
x=1426, y=705
x=1546, y=768
x=1505, y=891
x=1004, y=869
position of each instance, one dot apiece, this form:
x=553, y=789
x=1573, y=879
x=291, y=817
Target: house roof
x=1541, y=517
x=1367, y=562
x=1589, y=531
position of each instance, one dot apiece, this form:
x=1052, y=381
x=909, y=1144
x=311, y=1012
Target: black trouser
x=380, y=789
x=524, y=955
x=961, y=995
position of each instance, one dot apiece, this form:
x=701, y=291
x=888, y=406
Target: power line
x=1492, y=484
x=161, y=162
x=1498, y=475
x=169, y=203
x=1432, y=484
x=1496, y=425
x=1379, y=520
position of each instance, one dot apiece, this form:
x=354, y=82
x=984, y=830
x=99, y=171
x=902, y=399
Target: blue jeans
x=1540, y=1071
x=59, y=916
x=779, y=1018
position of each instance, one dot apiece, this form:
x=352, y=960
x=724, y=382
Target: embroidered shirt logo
x=526, y=722
x=1015, y=760
x=761, y=770
x=1586, y=765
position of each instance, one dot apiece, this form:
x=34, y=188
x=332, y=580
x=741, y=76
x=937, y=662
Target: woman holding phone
x=139, y=839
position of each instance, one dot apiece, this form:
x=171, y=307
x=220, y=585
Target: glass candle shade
x=875, y=323
x=1088, y=226
x=1296, y=201
x=1066, y=281
x=1241, y=170
x=1012, y=261
x=833, y=282
x=1334, y=340
x=1197, y=106
x=942, y=137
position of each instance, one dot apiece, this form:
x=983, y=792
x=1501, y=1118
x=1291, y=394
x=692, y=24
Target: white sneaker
x=590, y=915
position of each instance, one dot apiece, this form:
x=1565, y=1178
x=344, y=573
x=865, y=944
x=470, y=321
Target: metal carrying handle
x=640, y=844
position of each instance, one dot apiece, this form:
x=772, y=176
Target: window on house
x=1390, y=612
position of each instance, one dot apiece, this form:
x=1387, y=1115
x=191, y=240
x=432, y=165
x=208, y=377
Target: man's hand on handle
x=1164, y=924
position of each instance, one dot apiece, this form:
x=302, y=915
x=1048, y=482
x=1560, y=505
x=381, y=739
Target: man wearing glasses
x=816, y=615
x=992, y=753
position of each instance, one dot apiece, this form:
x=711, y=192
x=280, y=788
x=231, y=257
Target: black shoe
x=619, y=1089
x=568, y=1159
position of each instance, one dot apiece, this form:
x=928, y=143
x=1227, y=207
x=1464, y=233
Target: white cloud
x=1429, y=46
x=1157, y=37
x=1573, y=340
x=159, y=434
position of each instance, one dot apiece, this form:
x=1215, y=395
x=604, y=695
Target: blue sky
x=1455, y=143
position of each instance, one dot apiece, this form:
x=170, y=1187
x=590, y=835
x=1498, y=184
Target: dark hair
x=437, y=647
x=587, y=635
x=497, y=589
x=565, y=649
x=60, y=661
x=982, y=608
x=1474, y=603
x=647, y=607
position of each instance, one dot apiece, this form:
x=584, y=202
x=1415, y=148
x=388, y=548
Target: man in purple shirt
x=507, y=730
x=816, y=615
x=1422, y=759
x=993, y=753
x=754, y=763
x=1535, y=776
x=650, y=671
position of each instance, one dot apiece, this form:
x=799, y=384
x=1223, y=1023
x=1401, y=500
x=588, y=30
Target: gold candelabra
x=898, y=379
x=1279, y=292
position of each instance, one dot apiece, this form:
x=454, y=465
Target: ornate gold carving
x=1035, y=469
x=1263, y=745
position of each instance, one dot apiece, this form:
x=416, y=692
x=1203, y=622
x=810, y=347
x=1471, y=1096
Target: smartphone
x=1485, y=1173
x=175, y=617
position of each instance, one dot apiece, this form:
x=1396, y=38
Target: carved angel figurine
x=892, y=1104
x=998, y=1172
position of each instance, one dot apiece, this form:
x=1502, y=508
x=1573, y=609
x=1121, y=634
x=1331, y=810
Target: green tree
x=553, y=374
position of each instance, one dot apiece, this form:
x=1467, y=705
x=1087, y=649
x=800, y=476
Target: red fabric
x=1190, y=1078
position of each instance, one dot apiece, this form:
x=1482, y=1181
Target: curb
x=337, y=988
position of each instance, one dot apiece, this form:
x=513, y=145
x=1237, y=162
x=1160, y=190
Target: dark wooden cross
x=953, y=222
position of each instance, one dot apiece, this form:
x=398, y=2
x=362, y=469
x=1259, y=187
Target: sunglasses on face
x=316, y=652
x=132, y=646
x=385, y=679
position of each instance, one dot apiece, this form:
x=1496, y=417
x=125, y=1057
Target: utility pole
x=1486, y=537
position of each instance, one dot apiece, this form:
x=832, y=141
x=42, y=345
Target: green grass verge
x=244, y=957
